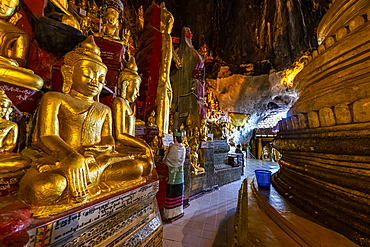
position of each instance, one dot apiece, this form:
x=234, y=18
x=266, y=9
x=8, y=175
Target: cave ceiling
x=248, y=31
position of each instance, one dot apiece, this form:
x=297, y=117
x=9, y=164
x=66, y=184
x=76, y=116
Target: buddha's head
x=5, y=105
x=114, y=8
x=83, y=70
x=129, y=81
x=182, y=127
x=155, y=142
x=204, y=121
x=194, y=146
x=196, y=132
x=112, y=16
x=167, y=20
x=7, y=7
x=189, y=122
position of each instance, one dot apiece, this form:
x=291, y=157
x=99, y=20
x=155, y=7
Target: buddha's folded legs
x=44, y=188
x=108, y=171
x=19, y=76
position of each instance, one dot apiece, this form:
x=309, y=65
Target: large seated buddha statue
x=14, y=45
x=123, y=115
x=74, y=131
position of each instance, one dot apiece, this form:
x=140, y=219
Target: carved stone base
x=128, y=219
x=214, y=174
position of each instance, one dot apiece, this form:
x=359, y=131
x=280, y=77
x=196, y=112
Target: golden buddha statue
x=14, y=45
x=83, y=4
x=86, y=26
x=126, y=33
x=164, y=88
x=74, y=131
x=154, y=144
x=8, y=135
x=196, y=134
x=93, y=9
x=68, y=18
x=203, y=130
x=194, y=159
x=151, y=120
x=123, y=115
x=111, y=27
x=184, y=136
x=9, y=129
x=189, y=127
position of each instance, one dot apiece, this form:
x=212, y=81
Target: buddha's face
x=196, y=132
x=88, y=78
x=7, y=7
x=112, y=16
x=189, y=122
x=194, y=146
x=133, y=88
x=5, y=106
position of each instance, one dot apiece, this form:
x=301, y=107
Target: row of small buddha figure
x=14, y=43
x=192, y=137
x=111, y=19
x=80, y=149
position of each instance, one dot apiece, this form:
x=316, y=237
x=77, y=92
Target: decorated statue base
x=213, y=157
x=127, y=218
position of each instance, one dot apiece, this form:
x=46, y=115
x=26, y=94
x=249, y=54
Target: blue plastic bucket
x=263, y=178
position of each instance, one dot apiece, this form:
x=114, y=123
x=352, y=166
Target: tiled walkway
x=209, y=220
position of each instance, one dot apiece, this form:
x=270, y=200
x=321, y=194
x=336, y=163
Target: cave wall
x=248, y=31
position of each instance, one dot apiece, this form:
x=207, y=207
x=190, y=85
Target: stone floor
x=272, y=222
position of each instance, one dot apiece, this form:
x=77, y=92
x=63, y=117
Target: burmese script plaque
x=123, y=210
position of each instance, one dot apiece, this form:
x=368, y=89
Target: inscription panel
x=131, y=204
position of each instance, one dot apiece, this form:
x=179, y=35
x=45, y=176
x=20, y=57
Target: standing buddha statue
x=164, y=88
x=203, y=129
x=14, y=44
x=184, y=135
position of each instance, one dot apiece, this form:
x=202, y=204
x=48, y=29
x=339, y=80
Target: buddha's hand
x=99, y=149
x=77, y=172
x=148, y=150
